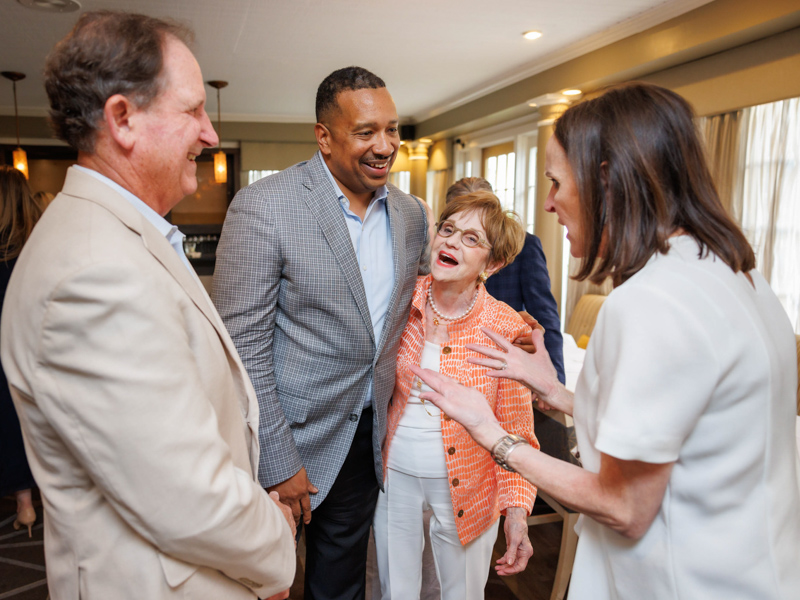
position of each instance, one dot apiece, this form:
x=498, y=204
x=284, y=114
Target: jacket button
x=447, y=350
x=455, y=481
x=461, y=513
x=451, y=450
x=447, y=417
x=353, y=417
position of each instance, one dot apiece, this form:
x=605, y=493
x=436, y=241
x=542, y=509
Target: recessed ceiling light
x=572, y=92
x=532, y=35
x=57, y=6
x=426, y=140
x=532, y=104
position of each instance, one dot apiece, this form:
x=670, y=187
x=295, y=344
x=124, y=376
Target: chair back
x=584, y=315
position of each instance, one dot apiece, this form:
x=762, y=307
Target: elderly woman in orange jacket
x=431, y=461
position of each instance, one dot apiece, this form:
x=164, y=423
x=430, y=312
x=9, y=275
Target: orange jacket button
x=447, y=350
x=451, y=450
x=455, y=481
x=461, y=513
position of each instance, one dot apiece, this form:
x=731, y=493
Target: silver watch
x=502, y=449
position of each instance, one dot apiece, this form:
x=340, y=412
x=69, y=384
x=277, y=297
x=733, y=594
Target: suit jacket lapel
x=324, y=205
x=398, y=229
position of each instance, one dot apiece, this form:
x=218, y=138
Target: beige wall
x=277, y=156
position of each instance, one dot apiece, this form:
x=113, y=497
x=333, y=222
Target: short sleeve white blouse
x=689, y=364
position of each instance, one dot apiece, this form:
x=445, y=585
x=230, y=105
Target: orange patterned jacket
x=479, y=488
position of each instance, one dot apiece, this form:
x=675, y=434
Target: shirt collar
x=163, y=226
x=382, y=193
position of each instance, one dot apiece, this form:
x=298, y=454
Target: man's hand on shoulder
x=294, y=493
x=525, y=342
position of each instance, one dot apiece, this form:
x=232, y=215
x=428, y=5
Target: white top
x=689, y=364
x=417, y=446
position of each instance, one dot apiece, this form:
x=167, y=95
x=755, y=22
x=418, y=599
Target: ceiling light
x=532, y=35
x=220, y=159
x=19, y=157
x=572, y=92
x=533, y=104
x=56, y=6
x=426, y=140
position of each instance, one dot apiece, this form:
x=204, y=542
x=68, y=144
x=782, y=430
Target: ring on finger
x=503, y=366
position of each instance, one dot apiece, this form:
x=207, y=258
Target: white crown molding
x=641, y=22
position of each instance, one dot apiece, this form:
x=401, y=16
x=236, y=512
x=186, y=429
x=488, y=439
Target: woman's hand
x=518, y=545
x=466, y=405
x=535, y=371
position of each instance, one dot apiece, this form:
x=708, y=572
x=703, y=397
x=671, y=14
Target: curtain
x=723, y=136
x=771, y=198
x=437, y=184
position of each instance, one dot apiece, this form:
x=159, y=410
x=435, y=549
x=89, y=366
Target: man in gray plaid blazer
x=315, y=271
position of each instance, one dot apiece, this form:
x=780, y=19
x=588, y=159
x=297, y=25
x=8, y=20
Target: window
x=401, y=180
x=499, y=169
x=531, y=196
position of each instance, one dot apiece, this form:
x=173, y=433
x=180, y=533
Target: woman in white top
x=684, y=410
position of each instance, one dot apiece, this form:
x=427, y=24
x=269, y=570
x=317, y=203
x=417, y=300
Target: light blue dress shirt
x=164, y=227
x=372, y=242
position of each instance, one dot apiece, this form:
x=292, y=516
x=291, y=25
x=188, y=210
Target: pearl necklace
x=444, y=317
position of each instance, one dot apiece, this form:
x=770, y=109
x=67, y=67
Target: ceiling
x=433, y=54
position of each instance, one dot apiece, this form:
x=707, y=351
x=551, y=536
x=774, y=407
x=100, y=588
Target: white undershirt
x=417, y=447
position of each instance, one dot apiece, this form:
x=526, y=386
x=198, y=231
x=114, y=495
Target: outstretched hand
x=466, y=405
x=533, y=370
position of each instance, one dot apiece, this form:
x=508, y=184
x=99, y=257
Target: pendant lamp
x=19, y=157
x=220, y=160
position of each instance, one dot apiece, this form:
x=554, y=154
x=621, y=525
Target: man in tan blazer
x=139, y=420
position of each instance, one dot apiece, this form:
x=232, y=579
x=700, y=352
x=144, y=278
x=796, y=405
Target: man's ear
x=323, y=135
x=118, y=113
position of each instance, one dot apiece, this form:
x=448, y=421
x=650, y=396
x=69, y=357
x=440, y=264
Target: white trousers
x=462, y=570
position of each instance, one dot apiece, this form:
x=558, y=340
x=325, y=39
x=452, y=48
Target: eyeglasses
x=469, y=237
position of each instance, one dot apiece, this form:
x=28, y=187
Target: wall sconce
x=19, y=156
x=220, y=160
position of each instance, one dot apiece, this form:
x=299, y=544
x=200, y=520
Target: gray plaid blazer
x=289, y=290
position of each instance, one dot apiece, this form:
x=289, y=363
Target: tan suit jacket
x=139, y=420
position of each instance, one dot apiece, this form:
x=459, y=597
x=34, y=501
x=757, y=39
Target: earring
x=483, y=277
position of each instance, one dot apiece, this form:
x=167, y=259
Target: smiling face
x=563, y=197
x=174, y=130
x=359, y=141
x=452, y=261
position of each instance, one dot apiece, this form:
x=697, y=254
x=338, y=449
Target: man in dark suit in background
x=315, y=270
x=524, y=284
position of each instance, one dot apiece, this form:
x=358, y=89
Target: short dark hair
x=504, y=230
x=349, y=78
x=641, y=174
x=466, y=185
x=106, y=53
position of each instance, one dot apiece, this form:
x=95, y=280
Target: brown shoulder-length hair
x=19, y=212
x=641, y=175
x=504, y=230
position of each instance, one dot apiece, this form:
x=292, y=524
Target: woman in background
x=430, y=460
x=18, y=214
x=685, y=408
